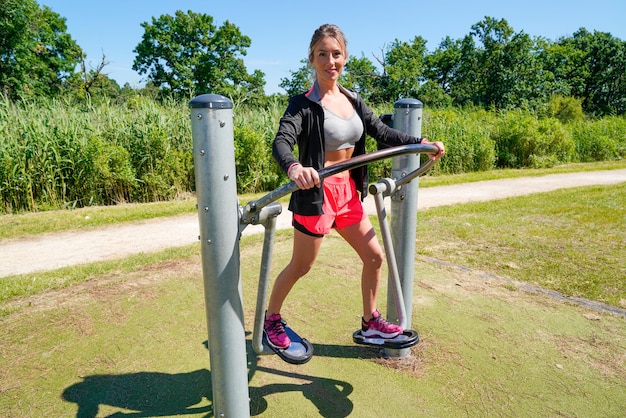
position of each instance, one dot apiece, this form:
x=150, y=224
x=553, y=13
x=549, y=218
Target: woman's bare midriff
x=338, y=156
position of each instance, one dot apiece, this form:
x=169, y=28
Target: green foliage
x=57, y=154
x=591, y=66
x=523, y=140
x=187, y=55
x=434, y=96
x=565, y=109
x=62, y=154
x=466, y=135
x=600, y=140
x=404, y=67
x=255, y=171
x=495, y=67
x=255, y=128
x=300, y=80
x=442, y=64
x=36, y=53
x=361, y=75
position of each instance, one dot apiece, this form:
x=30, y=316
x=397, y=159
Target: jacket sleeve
x=289, y=129
x=382, y=133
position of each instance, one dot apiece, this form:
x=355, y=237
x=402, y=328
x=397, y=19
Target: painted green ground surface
x=134, y=345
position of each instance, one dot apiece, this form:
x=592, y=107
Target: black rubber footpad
x=299, y=352
x=407, y=339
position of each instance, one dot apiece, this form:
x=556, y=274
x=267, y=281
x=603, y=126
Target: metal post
x=408, y=119
x=218, y=213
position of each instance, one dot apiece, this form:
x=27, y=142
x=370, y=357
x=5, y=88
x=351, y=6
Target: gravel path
x=51, y=251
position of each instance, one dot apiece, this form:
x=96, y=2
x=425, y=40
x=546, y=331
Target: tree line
x=70, y=136
x=186, y=54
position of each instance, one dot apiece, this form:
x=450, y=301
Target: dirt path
x=51, y=251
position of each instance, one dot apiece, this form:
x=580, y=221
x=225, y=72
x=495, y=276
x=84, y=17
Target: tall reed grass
x=56, y=154
x=59, y=154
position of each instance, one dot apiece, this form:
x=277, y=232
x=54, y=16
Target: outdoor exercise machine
x=222, y=220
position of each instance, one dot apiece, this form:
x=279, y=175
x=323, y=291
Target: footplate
x=299, y=352
x=407, y=339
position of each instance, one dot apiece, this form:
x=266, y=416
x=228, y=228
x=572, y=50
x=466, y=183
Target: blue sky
x=281, y=30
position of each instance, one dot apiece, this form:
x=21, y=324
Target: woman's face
x=328, y=59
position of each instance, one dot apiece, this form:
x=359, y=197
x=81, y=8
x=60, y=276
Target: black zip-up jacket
x=303, y=124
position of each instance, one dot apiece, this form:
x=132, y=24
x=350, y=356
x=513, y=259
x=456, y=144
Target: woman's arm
x=289, y=128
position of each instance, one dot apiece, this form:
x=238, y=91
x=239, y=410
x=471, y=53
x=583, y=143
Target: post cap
x=408, y=103
x=211, y=101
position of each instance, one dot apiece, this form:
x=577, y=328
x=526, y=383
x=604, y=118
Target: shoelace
x=381, y=322
x=276, y=327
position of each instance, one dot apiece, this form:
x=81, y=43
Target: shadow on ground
x=152, y=394
x=155, y=394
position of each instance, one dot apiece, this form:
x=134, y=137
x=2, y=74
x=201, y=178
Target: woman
x=329, y=124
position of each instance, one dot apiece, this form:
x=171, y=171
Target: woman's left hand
x=439, y=145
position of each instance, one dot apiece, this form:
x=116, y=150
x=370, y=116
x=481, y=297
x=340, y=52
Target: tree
x=464, y=87
x=362, y=75
x=404, y=67
x=591, y=66
x=492, y=67
x=91, y=82
x=36, y=53
x=187, y=54
x=300, y=80
x=442, y=64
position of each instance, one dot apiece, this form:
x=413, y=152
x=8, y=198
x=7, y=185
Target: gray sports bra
x=341, y=133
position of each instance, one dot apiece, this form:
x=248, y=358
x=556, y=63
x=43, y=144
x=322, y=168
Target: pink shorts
x=342, y=208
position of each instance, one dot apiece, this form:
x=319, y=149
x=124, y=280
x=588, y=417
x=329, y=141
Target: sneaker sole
x=377, y=334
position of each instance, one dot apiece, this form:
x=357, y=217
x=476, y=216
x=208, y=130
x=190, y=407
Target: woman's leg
x=304, y=253
x=362, y=238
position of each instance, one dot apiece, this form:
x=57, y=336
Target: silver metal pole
x=408, y=119
x=218, y=213
x=267, y=217
x=395, y=286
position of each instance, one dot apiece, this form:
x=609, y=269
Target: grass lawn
x=133, y=344
x=571, y=240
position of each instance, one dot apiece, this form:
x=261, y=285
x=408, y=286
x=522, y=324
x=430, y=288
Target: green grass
x=28, y=224
x=449, y=179
x=35, y=223
x=131, y=343
x=126, y=337
x=571, y=240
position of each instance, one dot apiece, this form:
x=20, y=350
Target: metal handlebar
x=355, y=162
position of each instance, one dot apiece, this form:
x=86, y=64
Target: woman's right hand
x=440, y=147
x=304, y=177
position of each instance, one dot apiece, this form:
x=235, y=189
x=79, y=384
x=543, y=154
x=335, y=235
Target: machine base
x=299, y=352
x=407, y=339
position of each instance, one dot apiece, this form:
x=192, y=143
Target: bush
x=255, y=128
x=57, y=154
x=566, y=109
x=256, y=170
x=600, y=140
x=522, y=140
x=116, y=177
x=466, y=136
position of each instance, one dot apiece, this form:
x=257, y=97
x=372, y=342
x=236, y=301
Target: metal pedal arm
x=378, y=190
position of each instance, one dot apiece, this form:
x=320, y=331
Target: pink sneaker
x=378, y=327
x=274, y=330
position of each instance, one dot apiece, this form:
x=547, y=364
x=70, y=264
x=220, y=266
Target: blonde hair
x=332, y=31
